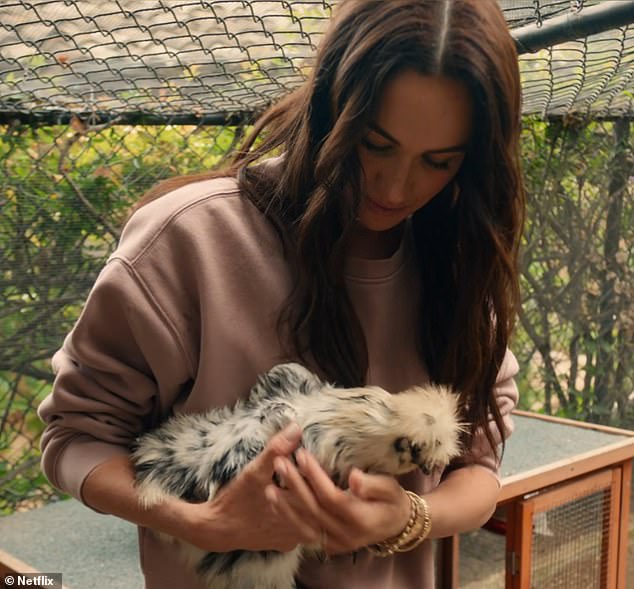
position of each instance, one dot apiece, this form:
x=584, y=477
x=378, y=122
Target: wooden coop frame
x=547, y=483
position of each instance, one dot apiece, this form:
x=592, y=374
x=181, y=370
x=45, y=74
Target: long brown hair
x=467, y=245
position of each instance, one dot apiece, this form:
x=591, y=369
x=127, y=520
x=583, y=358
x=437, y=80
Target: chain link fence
x=206, y=62
x=175, y=88
x=575, y=340
x=65, y=193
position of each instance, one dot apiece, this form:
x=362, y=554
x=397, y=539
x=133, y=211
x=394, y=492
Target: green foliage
x=65, y=194
x=575, y=337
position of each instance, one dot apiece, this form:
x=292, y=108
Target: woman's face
x=413, y=147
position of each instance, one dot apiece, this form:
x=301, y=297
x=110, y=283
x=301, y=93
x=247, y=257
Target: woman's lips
x=383, y=210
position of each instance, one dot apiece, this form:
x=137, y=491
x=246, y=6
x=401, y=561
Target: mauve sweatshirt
x=183, y=318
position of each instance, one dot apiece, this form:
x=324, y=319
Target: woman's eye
x=374, y=147
x=437, y=165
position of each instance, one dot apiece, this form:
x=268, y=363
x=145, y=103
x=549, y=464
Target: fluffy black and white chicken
x=193, y=456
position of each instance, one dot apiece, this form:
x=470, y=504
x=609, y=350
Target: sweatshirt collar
x=382, y=269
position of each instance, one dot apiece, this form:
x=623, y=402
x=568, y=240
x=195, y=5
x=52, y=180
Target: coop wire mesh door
x=566, y=537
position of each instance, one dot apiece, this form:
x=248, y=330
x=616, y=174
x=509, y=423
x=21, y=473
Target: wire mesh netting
x=100, y=101
x=569, y=547
x=569, y=544
x=201, y=61
x=64, y=196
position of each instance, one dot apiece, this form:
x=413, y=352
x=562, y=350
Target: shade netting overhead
x=197, y=61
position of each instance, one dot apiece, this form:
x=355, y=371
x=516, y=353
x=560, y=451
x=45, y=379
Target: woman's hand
x=241, y=516
x=252, y=513
x=374, y=508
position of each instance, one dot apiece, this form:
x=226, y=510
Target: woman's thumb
x=358, y=484
x=370, y=486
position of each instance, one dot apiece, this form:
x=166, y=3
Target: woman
x=379, y=249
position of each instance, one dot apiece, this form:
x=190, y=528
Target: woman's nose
x=396, y=192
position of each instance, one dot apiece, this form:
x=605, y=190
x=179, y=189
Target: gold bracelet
x=388, y=547
x=415, y=532
x=423, y=530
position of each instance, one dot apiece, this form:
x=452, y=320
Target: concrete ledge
x=92, y=551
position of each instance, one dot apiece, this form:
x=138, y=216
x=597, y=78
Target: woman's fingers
x=293, y=481
x=308, y=533
x=328, y=494
x=321, y=512
x=284, y=443
x=342, y=530
x=297, y=502
x=247, y=499
x=299, y=496
x=376, y=506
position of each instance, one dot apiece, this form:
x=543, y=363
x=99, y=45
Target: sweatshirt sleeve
x=114, y=373
x=506, y=393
